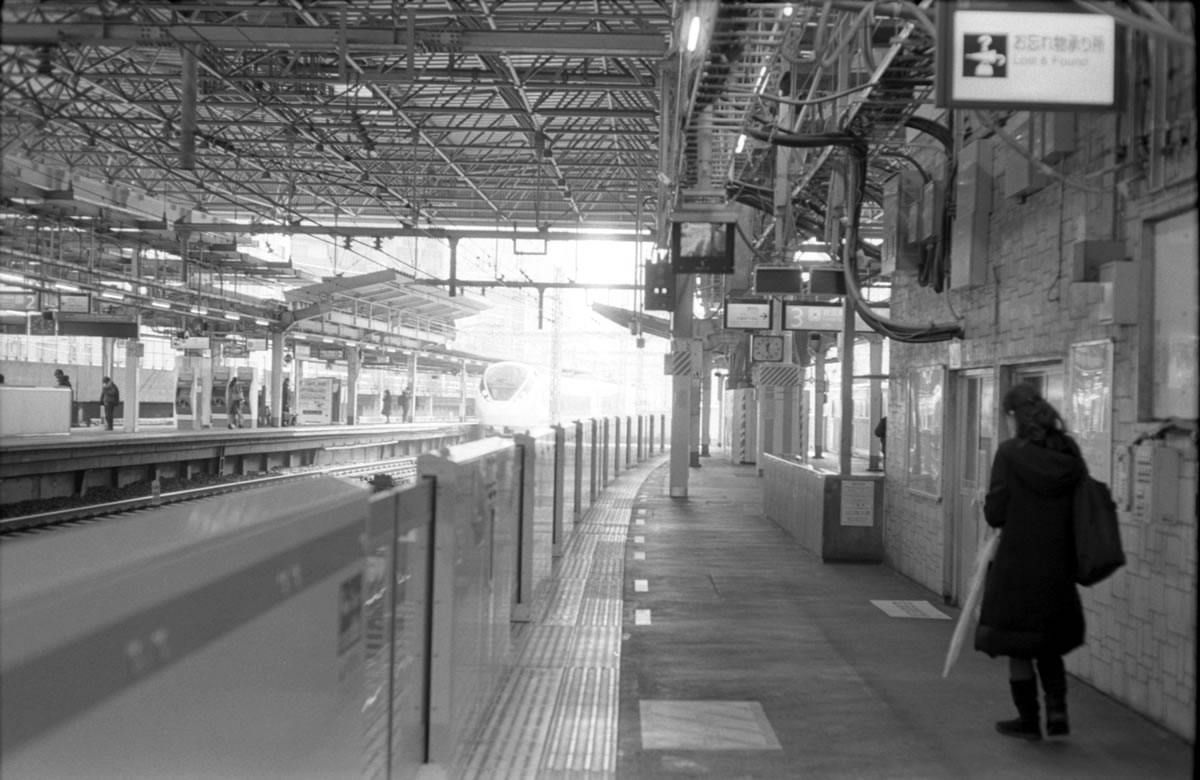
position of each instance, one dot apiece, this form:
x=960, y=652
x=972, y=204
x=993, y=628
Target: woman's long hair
x=1037, y=420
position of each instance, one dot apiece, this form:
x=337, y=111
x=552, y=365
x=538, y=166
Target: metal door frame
x=954, y=564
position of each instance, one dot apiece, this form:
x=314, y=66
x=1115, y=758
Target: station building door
x=973, y=440
x=979, y=427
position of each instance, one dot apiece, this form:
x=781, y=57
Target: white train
x=518, y=397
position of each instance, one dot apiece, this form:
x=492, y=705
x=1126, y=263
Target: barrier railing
x=327, y=631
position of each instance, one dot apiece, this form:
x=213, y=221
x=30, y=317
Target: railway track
x=385, y=473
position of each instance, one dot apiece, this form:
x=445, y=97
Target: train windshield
x=504, y=380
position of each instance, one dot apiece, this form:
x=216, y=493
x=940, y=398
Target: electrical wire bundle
x=857, y=154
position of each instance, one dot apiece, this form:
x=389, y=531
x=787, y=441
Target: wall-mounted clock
x=767, y=348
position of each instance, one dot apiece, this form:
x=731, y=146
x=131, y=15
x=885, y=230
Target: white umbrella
x=987, y=551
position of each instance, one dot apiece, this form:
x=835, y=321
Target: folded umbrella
x=987, y=551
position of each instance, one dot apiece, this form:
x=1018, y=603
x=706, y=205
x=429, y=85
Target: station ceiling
x=176, y=125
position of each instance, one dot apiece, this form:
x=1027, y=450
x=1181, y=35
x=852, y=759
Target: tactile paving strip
x=556, y=714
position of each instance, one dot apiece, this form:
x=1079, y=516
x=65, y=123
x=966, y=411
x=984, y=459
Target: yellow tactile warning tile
x=556, y=715
x=583, y=738
x=705, y=725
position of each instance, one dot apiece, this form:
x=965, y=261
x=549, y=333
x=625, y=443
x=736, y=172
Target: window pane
x=1175, y=317
x=925, y=429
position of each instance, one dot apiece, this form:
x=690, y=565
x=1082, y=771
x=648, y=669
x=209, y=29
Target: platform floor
x=693, y=638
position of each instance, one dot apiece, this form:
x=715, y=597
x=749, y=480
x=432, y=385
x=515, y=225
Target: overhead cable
x=856, y=146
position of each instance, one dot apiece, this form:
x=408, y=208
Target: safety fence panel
x=474, y=578
x=226, y=642
x=538, y=500
x=396, y=605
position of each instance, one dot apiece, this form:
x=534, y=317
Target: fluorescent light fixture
x=66, y=287
x=693, y=34
x=762, y=79
x=329, y=341
x=12, y=277
x=741, y=144
x=198, y=310
x=231, y=316
x=160, y=304
x=112, y=296
x=260, y=321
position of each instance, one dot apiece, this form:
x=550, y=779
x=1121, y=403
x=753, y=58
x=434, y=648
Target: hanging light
x=693, y=38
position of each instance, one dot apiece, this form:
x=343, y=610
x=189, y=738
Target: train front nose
x=503, y=381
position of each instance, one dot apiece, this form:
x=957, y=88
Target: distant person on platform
x=286, y=402
x=387, y=405
x=110, y=396
x=65, y=381
x=881, y=432
x=233, y=402
x=404, y=401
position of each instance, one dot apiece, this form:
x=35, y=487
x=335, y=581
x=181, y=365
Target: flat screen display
x=778, y=279
x=702, y=247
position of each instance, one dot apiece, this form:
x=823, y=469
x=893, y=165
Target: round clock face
x=768, y=348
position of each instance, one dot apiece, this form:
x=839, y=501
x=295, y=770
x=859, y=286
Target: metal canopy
x=426, y=113
x=387, y=288
x=437, y=116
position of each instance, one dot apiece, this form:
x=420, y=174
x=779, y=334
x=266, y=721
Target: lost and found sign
x=1019, y=57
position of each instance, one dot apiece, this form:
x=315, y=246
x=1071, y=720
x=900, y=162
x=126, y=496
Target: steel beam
x=408, y=232
x=356, y=39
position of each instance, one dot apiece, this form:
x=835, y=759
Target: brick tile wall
x=1141, y=622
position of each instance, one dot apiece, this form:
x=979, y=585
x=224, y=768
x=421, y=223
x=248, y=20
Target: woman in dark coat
x=387, y=405
x=1031, y=610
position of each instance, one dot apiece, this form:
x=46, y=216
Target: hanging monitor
x=702, y=247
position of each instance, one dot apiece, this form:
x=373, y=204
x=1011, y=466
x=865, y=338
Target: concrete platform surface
x=743, y=656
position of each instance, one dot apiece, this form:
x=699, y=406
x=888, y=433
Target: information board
x=1025, y=57
x=858, y=502
x=315, y=401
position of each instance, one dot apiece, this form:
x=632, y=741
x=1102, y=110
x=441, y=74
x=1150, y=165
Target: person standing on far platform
x=387, y=405
x=286, y=403
x=1031, y=610
x=233, y=403
x=110, y=396
x=63, y=380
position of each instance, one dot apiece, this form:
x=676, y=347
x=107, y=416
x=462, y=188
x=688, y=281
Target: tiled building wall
x=1141, y=622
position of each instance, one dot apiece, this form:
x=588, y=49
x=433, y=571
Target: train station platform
x=694, y=638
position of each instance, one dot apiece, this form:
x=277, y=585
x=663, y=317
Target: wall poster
x=926, y=407
x=1088, y=411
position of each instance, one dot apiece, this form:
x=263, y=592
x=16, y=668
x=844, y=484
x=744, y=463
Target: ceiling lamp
x=693, y=38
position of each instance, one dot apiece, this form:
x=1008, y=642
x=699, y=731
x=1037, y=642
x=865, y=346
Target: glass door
x=1048, y=378
x=974, y=442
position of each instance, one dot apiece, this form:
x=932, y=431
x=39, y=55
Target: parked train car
x=519, y=396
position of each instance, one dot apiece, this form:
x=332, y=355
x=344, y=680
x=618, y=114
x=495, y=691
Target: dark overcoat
x=1030, y=603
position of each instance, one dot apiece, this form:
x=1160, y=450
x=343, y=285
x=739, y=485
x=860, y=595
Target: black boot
x=1026, y=726
x=1054, y=685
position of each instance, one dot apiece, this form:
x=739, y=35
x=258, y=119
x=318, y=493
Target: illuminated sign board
x=1026, y=59
x=748, y=315
x=814, y=316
